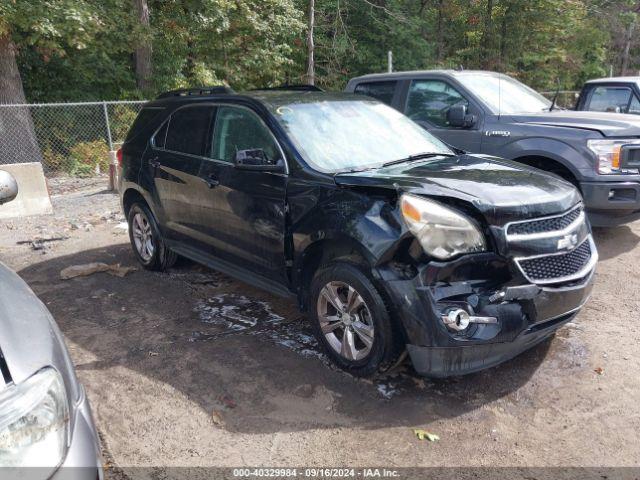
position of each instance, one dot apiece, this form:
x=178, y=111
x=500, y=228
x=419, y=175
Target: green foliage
x=73, y=50
x=88, y=158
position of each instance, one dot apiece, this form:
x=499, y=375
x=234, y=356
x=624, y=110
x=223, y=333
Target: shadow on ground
x=230, y=347
x=612, y=242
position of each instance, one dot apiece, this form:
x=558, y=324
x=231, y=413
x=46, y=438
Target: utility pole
x=390, y=61
x=311, y=69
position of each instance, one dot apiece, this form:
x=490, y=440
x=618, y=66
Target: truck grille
x=551, y=224
x=557, y=266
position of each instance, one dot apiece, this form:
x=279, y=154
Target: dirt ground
x=192, y=368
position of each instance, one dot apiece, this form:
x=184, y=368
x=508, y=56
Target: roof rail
x=186, y=92
x=297, y=88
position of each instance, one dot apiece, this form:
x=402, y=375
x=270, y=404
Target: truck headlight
x=34, y=422
x=608, y=154
x=442, y=232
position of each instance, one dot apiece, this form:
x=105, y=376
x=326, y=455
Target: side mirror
x=457, y=116
x=8, y=187
x=256, y=160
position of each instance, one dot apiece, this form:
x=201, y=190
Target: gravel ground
x=192, y=368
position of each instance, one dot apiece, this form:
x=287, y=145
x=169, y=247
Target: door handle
x=211, y=181
x=154, y=162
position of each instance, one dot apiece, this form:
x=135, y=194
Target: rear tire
x=146, y=240
x=350, y=319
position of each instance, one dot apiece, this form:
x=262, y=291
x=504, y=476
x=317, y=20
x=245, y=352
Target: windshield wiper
x=417, y=156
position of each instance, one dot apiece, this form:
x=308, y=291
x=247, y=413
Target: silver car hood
x=29, y=337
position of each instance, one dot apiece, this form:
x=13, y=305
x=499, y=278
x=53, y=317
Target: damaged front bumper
x=520, y=314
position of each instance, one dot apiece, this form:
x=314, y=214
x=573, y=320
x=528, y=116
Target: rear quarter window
x=144, y=118
x=382, y=91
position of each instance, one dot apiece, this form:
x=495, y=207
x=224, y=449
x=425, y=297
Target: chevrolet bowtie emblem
x=568, y=242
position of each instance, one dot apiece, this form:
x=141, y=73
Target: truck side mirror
x=8, y=187
x=457, y=116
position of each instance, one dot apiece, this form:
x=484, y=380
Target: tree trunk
x=487, y=36
x=627, y=47
x=143, y=49
x=18, y=142
x=503, y=35
x=311, y=67
x=440, y=32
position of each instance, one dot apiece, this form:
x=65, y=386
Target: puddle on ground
x=231, y=314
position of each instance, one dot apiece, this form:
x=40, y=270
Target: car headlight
x=34, y=422
x=442, y=232
x=608, y=154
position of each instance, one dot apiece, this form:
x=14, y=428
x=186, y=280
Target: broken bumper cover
x=460, y=360
x=526, y=315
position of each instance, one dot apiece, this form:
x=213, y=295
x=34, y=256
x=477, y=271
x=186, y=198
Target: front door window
x=238, y=129
x=429, y=101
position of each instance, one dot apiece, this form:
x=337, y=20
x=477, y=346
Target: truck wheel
x=351, y=320
x=146, y=240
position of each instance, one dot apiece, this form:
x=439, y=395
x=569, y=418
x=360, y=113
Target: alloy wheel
x=143, y=236
x=345, y=320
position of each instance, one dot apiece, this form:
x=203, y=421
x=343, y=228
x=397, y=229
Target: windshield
x=338, y=136
x=504, y=95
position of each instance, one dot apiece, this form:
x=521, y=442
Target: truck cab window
x=609, y=99
x=382, y=91
x=429, y=101
x=634, y=106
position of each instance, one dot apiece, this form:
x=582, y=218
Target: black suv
x=387, y=237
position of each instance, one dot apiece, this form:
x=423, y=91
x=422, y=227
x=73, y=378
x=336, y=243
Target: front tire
x=350, y=319
x=146, y=241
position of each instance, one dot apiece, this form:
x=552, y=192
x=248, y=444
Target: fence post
x=106, y=119
x=112, y=163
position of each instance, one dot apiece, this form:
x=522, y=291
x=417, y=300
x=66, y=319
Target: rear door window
x=429, y=100
x=382, y=91
x=609, y=99
x=188, y=129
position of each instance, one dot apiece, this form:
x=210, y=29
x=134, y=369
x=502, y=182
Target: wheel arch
x=132, y=195
x=551, y=165
x=323, y=251
x=548, y=150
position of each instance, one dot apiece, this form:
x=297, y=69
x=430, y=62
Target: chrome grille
x=550, y=224
x=557, y=266
x=554, y=249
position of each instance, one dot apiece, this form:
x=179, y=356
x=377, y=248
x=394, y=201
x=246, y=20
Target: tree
x=311, y=72
x=143, y=48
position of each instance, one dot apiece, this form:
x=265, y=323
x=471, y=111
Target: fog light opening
x=456, y=319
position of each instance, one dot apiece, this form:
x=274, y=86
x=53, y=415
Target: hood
x=608, y=124
x=501, y=190
x=29, y=337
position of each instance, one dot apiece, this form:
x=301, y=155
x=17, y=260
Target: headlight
x=34, y=422
x=608, y=154
x=442, y=232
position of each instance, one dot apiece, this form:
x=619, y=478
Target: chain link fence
x=70, y=139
